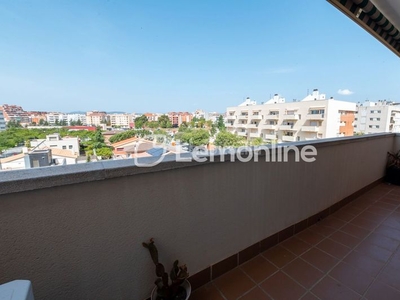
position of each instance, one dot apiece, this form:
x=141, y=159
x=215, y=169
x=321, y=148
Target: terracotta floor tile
x=351, y=277
x=330, y=289
x=255, y=294
x=309, y=296
x=392, y=221
x=333, y=248
x=364, y=263
x=310, y=237
x=234, y=284
x=208, y=291
x=371, y=216
x=356, y=231
x=322, y=230
x=345, y=239
x=391, y=201
x=279, y=256
x=374, y=251
x=384, y=205
x=295, y=245
x=320, y=259
x=352, y=210
x=303, y=273
x=380, y=291
x=331, y=221
x=258, y=268
x=379, y=211
x=391, y=274
x=382, y=241
x=388, y=231
x=280, y=286
x=343, y=215
x=364, y=223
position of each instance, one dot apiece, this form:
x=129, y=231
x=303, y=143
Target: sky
x=180, y=55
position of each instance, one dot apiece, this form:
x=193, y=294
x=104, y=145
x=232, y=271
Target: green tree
x=228, y=139
x=14, y=124
x=220, y=123
x=257, y=142
x=140, y=121
x=164, y=121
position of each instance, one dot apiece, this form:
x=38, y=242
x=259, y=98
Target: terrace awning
x=381, y=18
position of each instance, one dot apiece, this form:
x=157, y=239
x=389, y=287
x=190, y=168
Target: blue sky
x=179, y=55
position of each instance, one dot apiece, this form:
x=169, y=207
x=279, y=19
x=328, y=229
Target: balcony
x=310, y=128
x=252, y=125
x=75, y=231
x=286, y=127
x=319, y=117
x=272, y=117
x=256, y=117
x=294, y=117
x=228, y=124
x=232, y=117
x=269, y=126
x=242, y=133
x=254, y=135
x=288, y=138
x=270, y=136
x=243, y=117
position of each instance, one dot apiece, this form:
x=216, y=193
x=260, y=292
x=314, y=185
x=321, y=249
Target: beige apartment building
x=314, y=117
x=95, y=118
x=375, y=117
x=121, y=120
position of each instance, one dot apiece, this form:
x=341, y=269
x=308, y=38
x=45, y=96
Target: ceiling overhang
x=381, y=18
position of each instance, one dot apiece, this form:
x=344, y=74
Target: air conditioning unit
x=16, y=290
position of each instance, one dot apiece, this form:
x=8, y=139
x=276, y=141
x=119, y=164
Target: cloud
x=345, y=92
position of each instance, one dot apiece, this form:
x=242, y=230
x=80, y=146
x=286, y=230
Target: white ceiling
x=390, y=9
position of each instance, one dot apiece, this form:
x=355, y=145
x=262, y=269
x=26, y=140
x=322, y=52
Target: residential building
x=120, y=120
x=152, y=116
x=55, y=141
x=177, y=118
x=315, y=117
x=95, y=118
x=35, y=117
x=56, y=118
x=2, y=121
x=375, y=117
x=76, y=118
x=14, y=113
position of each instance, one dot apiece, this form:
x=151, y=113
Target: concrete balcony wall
x=76, y=231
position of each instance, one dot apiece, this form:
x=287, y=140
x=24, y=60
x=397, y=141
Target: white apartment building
x=76, y=118
x=314, y=117
x=53, y=118
x=55, y=141
x=95, y=118
x=2, y=121
x=120, y=120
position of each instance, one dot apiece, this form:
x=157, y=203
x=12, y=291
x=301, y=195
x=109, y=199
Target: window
x=64, y=147
x=70, y=147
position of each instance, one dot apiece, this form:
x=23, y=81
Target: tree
x=153, y=124
x=14, y=124
x=140, y=121
x=228, y=139
x=220, y=123
x=194, y=137
x=164, y=121
x=257, y=142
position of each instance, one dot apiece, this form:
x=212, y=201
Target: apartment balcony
x=269, y=136
x=319, y=117
x=254, y=135
x=241, y=125
x=269, y=126
x=310, y=128
x=330, y=232
x=288, y=138
x=272, y=117
x=242, y=133
x=256, y=117
x=229, y=124
x=243, y=117
x=294, y=117
x=252, y=126
x=286, y=127
x=233, y=117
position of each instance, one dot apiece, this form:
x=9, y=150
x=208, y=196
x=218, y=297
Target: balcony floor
x=352, y=254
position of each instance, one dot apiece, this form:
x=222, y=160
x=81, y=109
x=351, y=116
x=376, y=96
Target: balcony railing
x=270, y=136
x=254, y=134
x=76, y=231
x=294, y=117
x=315, y=116
x=310, y=128
x=242, y=133
x=256, y=117
x=252, y=125
x=269, y=126
x=285, y=127
x=288, y=138
x=272, y=117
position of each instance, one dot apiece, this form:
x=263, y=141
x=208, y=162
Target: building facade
x=2, y=121
x=95, y=118
x=55, y=141
x=276, y=120
x=120, y=120
x=177, y=118
x=375, y=117
x=14, y=113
